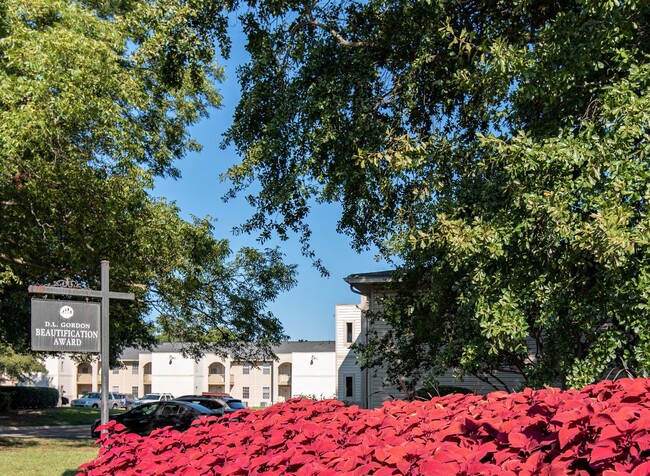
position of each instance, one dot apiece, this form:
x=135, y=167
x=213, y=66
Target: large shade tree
x=497, y=150
x=96, y=98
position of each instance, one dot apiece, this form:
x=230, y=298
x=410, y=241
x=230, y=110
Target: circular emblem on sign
x=66, y=312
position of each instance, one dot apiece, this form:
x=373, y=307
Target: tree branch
x=337, y=35
x=487, y=380
x=22, y=262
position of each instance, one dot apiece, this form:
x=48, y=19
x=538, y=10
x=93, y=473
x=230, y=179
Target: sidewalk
x=67, y=432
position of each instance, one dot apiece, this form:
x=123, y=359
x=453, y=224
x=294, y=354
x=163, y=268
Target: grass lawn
x=44, y=457
x=51, y=417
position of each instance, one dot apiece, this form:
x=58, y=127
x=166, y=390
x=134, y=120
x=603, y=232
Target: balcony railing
x=284, y=379
x=146, y=379
x=232, y=379
x=216, y=379
x=84, y=379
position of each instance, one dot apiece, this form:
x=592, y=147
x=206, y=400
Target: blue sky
x=307, y=310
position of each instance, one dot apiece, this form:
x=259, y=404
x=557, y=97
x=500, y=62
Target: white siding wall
x=67, y=376
x=346, y=360
x=378, y=389
x=176, y=378
x=314, y=374
x=59, y=374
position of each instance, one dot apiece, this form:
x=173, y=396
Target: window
x=115, y=389
x=266, y=393
x=135, y=368
x=170, y=409
x=135, y=391
x=148, y=409
x=348, y=332
x=266, y=368
x=263, y=404
x=246, y=392
x=349, y=386
x=85, y=369
x=246, y=368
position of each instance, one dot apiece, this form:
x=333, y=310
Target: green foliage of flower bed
x=601, y=429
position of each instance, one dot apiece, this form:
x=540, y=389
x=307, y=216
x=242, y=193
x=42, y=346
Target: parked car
x=230, y=404
x=150, y=416
x=152, y=397
x=208, y=402
x=94, y=399
x=126, y=400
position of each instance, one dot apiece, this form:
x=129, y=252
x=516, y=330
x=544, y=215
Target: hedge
x=31, y=397
x=5, y=401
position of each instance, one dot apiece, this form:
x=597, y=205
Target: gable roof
x=363, y=283
x=369, y=278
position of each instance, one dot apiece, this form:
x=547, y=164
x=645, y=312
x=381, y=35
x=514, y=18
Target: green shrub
x=31, y=397
x=5, y=401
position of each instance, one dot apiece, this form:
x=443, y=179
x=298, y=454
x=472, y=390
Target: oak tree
x=96, y=98
x=496, y=150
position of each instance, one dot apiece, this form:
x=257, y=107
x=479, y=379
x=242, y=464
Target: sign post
x=71, y=326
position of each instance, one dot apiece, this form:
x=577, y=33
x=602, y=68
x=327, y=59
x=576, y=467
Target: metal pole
x=104, y=340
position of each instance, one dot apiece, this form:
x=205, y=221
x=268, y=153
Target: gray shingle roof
x=131, y=353
x=304, y=346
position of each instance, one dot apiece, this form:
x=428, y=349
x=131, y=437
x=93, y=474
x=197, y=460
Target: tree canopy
x=496, y=150
x=96, y=98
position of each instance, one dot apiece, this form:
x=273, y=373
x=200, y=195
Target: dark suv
x=208, y=402
x=229, y=404
x=233, y=404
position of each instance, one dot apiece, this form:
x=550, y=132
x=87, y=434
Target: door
x=141, y=419
x=172, y=414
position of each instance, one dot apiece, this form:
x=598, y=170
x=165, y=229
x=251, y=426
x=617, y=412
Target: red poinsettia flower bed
x=603, y=429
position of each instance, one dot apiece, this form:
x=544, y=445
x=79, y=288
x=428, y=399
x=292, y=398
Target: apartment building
x=302, y=368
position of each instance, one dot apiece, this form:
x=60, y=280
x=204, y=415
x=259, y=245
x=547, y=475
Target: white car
x=94, y=399
x=152, y=397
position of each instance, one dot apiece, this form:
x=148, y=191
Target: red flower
x=603, y=429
